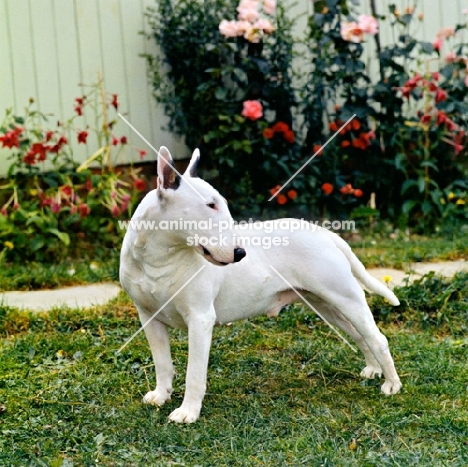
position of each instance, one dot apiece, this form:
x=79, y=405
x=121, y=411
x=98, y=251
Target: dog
x=176, y=281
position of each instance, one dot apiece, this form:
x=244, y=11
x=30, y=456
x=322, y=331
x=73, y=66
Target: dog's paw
x=183, y=415
x=157, y=397
x=391, y=387
x=370, y=372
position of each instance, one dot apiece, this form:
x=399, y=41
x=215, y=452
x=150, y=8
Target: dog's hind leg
x=349, y=300
x=372, y=367
x=158, y=338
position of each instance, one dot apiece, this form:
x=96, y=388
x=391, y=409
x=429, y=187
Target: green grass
x=376, y=250
x=282, y=392
x=381, y=251
x=33, y=276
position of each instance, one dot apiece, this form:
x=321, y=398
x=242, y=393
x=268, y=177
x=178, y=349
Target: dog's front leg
x=158, y=338
x=200, y=330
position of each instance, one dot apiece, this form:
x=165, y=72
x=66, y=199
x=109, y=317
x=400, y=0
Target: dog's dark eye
x=211, y=205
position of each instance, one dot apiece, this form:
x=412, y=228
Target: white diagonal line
x=313, y=309
x=147, y=322
x=317, y=152
x=159, y=155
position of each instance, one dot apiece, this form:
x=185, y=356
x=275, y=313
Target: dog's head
x=196, y=211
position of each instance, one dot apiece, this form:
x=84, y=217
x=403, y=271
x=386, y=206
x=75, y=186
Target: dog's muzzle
x=239, y=253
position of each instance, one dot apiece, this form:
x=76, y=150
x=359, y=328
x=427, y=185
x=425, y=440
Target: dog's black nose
x=239, y=253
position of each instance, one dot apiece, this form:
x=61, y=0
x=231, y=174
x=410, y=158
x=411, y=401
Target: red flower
x=84, y=210
x=66, y=190
x=115, y=210
x=355, y=124
x=274, y=190
x=37, y=153
x=359, y=143
x=142, y=153
x=292, y=194
x=268, y=133
x=115, y=141
x=280, y=127
x=327, y=188
x=317, y=148
x=437, y=44
x=425, y=119
x=139, y=184
x=115, y=102
x=82, y=135
x=347, y=189
x=345, y=144
x=56, y=148
x=11, y=138
x=49, y=135
x=282, y=199
x=252, y=110
x=440, y=96
x=79, y=110
x=55, y=207
x=123, y=140
x=289, y=136
x=358, y=193
x=333, y=126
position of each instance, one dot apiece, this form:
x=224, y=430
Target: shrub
x=49, y=203
x=405, y=148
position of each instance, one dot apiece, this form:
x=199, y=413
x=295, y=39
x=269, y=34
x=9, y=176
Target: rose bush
x=403, y=153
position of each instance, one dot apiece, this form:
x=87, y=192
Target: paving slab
x=417, y=270
x=81, y=296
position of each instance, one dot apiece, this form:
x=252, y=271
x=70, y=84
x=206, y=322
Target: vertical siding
x=51, y=48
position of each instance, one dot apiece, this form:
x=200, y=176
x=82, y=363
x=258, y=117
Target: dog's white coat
x=156, y=263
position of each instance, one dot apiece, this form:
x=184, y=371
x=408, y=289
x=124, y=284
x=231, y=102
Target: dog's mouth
x=208, y=256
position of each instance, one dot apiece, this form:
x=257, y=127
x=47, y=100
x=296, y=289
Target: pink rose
x=269, y=7
x=351, y=32
x=368, y=24
x=248, y=10
x=229, y=28
x=437, y=44
x=252, y=110
x=264, y=25
x=451, y=57
x=445, y=33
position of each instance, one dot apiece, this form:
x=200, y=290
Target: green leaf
x=426, y=207
x=62, y=236
x=221, y=94
x=421, y=184
x=427, y=47
x=406, y=185
x=430, y=164
x=408, y=206
x=241, y=75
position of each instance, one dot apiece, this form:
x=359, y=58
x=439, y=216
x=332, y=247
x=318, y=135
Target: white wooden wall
x=48, y=48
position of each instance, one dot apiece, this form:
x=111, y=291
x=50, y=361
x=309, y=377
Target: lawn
x=376, y=250
x=282, y=392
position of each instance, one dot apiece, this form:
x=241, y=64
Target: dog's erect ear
x=192, y=167
x=167, y=177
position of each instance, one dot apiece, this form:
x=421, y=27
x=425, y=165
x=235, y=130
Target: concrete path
x=81, y=296
x=99, y=294
x=416, y=270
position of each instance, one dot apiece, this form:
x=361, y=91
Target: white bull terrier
x=199, y=284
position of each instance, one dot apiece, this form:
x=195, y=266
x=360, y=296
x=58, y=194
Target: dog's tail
x=359, y=271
